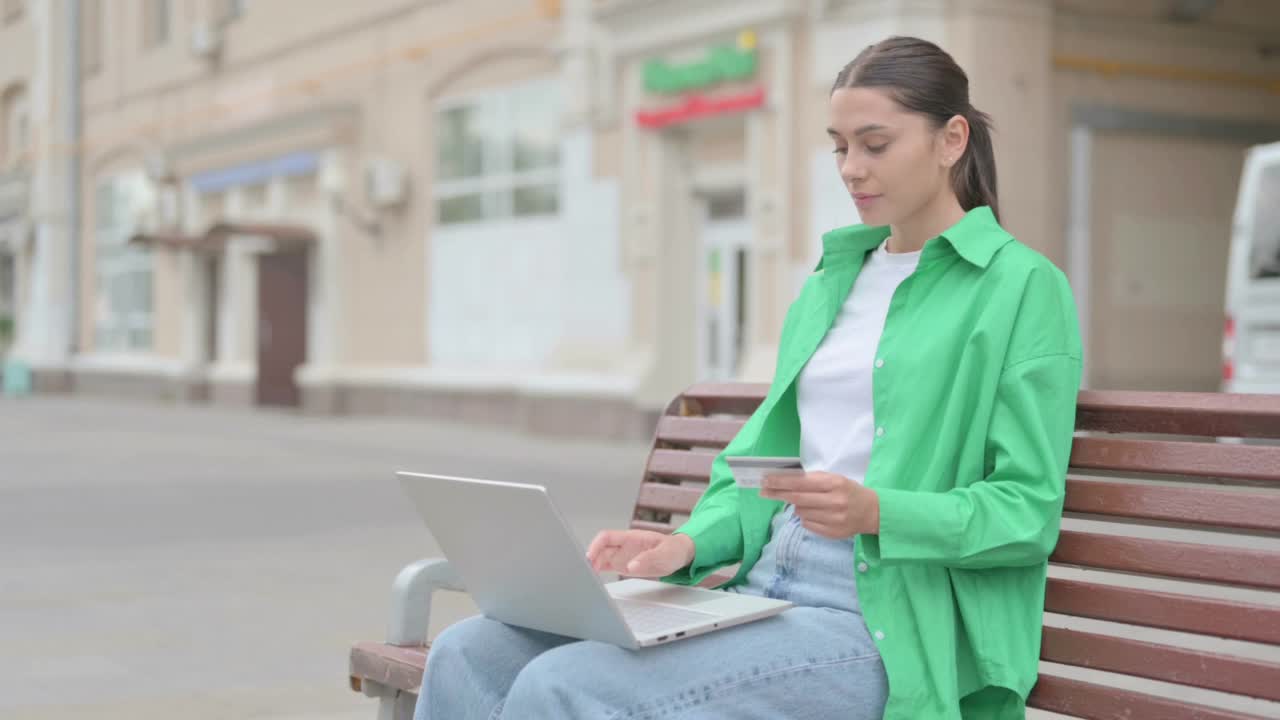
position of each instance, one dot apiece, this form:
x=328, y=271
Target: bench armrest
x=411, y=599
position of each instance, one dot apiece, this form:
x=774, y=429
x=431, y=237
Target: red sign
x=697, y=106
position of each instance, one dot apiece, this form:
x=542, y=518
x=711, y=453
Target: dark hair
x=924, y=78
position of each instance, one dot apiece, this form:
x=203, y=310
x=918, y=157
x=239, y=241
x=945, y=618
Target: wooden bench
x=1132, y=563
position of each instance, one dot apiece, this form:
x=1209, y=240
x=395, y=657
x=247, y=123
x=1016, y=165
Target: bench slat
x=668, y=498
x=1100, y=702
x=654, y=526
x=1191, y=561
x=1201, y=505
x=1169, y=611
x=1212, y=671
x=1197, y=459
x=707, y=432
x=680, y=465
x=1204, y=414
x=1205, y=506
x=726, y=398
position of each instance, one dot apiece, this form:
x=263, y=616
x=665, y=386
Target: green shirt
x=976, y=399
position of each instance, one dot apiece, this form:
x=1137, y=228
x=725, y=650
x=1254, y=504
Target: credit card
x=749, y=472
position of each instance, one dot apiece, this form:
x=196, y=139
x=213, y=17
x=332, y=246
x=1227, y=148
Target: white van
x=1251, y=336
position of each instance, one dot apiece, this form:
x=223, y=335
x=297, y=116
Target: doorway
x=212, y=302
x=722, y=272
x=282, y=326
x=8, y=300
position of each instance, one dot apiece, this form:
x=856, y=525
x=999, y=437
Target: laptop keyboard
x=646, y=617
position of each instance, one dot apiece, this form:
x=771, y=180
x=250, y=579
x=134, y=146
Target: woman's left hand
x=830, y=505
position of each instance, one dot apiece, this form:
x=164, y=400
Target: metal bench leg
x=393, y=704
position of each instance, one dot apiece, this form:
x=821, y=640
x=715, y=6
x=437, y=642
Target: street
x=196, y=562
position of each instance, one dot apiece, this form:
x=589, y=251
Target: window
x=122, y=300
x=498, y=156
x=157, y=15
x=1265, y=258
x=12, y=11
x=15, y=135
x=90, y=35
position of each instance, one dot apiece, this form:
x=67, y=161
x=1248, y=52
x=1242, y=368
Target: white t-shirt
x=833, y=392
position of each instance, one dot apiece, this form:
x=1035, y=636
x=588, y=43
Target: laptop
x=523, y=566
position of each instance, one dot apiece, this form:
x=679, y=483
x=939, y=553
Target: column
x=1006, y=47
x=46, y=327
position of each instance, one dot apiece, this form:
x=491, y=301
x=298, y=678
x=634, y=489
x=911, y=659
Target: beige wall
x=607, y=155
x=386, y=310
x=1011, y=80
x=1174, y=52
x=1159, y=259
x=387, y=59
x=169, y=299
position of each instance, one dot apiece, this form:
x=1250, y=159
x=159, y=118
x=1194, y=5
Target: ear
x=953, y=138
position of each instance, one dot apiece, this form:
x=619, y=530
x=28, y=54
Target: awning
x=278, y=236
x=282, y=235
x=173, y=239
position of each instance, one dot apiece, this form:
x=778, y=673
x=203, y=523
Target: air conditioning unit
x=206, y=40
x=385, y=182
x=146, y=220
x=144, y=212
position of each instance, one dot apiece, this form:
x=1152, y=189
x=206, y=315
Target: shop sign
x=724, y=63
x=699, y=106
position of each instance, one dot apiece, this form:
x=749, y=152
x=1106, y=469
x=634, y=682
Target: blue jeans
x=813, y=662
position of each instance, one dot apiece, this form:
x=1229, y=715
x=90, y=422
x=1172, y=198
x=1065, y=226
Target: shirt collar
x=976, y=238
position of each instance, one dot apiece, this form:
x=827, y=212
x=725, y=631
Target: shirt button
x=879, y=634
x=880, y=363
x=862, y=567
x=880, y=432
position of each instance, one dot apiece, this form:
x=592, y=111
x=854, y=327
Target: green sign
x=723, y=62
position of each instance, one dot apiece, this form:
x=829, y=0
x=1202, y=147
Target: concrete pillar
x=1006, y=47
x=46, y=333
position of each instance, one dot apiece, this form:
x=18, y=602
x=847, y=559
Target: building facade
x=555, y=215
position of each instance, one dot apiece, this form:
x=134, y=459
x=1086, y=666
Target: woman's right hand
x=640, y=553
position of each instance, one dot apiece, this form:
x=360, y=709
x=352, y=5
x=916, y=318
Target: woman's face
x=893, y=162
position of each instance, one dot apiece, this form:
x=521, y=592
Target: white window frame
x=445, y=189
x=130, y=330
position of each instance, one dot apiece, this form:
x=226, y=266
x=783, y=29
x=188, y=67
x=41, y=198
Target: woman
x=932, y=402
